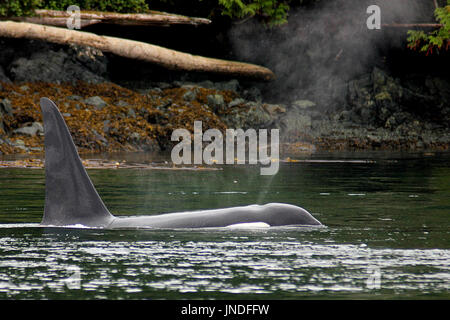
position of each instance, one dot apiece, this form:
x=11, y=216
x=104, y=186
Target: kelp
x=130, y=121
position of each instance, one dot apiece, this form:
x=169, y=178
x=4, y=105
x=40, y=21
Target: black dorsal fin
x=70, y=196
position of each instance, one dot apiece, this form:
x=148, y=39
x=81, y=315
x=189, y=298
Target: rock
x=216, y=102
x=317, y=115
x=156, y=91
x=274, y=109
x=383, y=114
x=232, y=85
x=293, y=125
x=96, y=101
x=150, y=145
x=24, y=88
x=343, y=115
x=303, y=104
x=373, y=98
x=253, y=115
x=89, y=57
x=442, y=88
x=178, y=84
x=190, y=95
x=106, y=126
x=207, y=84
x=378, y=79
x=122, y=103
x=429, y=83
x=18, y=142
x=387, y=92
x=189, y=86
x=32, y=130
x=164, y=85
x=131, y=113
x=164, y=105
x=368, y=115
x=74, y=97
x=3, y=76
x=397, y=119
x=99, y=137
x=143, y=112
x=303, y=122
x=66, y=114
x=256, y=116
x=6, y=107
x=253, y=94
x=391, y=122
x=236, y=102
x=135, y=136
x=7, y=53
x=144, y=91
x=401, y=117
x=22, y=148
x=54, y=66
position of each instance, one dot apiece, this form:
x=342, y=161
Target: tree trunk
x=135, y=50
x=152, y=18
x=53, y=21
x=413, y=25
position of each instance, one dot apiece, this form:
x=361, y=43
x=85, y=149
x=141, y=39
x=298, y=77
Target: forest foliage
x=438, y=39
x=270, y=12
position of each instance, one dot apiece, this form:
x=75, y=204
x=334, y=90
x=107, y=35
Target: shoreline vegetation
x=108, y=118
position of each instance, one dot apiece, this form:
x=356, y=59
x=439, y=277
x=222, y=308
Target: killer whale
x=71, y=198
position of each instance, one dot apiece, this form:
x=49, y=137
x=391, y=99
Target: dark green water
x=387, y=221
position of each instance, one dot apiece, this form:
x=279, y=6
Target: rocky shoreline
x=378, y=112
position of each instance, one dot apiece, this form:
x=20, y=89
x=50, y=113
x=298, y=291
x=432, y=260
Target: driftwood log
x=413, y=25
x=54, y=21
x=153, y=18
x=135, y=50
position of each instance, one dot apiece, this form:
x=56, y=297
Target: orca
x=71, y=199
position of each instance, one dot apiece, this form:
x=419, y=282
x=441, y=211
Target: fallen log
x=152, y=18
x=413, y=25
x=53, y=21
x=168, y=58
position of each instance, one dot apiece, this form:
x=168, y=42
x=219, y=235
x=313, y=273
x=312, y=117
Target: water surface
x=387, y=234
